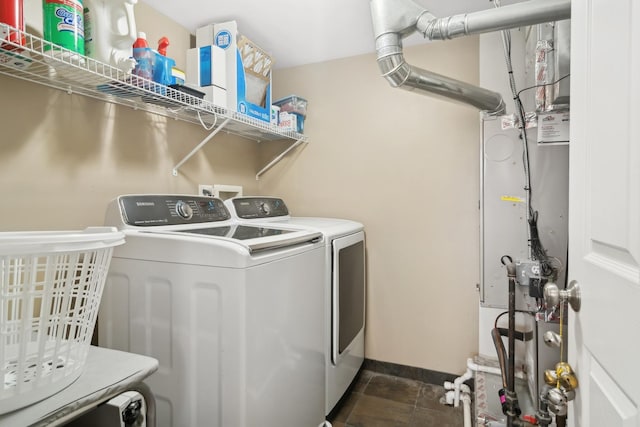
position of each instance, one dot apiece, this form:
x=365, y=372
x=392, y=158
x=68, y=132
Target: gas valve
x=562, y=377
x=557, y=400
x=564, y=382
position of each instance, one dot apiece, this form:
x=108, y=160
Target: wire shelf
x=27, y=57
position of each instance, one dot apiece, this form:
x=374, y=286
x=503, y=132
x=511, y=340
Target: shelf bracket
x=277, y=159
x=199, y=146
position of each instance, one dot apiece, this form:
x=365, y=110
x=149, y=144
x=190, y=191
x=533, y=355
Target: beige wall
x=373, y=150
x=64, y=157
x=407, y=166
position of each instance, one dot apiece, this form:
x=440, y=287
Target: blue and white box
x=206, y=67
x=275, y=115
x=248, y=71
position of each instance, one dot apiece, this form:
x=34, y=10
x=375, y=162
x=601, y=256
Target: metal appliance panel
x=154, y=210
x=503, y=206
x=504, y=227
x=258, y=207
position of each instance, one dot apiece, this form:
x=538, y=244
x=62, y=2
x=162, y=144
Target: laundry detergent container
x=50, y=289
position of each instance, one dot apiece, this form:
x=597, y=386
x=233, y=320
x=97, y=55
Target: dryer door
x=348, y=292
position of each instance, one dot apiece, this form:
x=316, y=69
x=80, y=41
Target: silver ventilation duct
x=394, y=20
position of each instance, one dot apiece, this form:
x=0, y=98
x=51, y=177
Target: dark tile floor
x=380, y=400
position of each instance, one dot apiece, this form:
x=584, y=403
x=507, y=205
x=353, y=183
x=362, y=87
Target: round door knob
x=554, y=296
x=184, y=210
x=551, y=294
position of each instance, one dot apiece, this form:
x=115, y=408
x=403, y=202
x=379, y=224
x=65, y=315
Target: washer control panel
x=259, y=207
x=152, y=210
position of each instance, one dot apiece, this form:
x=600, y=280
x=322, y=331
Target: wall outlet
x=205, y=190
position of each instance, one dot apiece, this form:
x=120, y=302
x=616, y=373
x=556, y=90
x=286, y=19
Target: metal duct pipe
x=399, y=73
x=395, y=19
x=501, y=18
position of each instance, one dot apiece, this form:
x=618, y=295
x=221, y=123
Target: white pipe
x=490, y=369
x=457, y=383
x=448, y=397
x=466, y=401
x=463, y=387
x=458, y=386
x=481, y=368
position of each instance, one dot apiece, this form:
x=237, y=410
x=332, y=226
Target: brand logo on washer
x=145, y=204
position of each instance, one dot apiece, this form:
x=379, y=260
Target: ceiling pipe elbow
x=394, y=20
x=395, y=17
x=400, y=74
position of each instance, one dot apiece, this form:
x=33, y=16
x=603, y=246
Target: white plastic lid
x=42, y=242
x=142, y=35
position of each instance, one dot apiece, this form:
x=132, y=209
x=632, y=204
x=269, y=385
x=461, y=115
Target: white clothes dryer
x=229, y=310
x=344, y=277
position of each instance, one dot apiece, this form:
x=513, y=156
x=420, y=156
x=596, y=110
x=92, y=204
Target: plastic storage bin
x=50, y=289
x=292, y=104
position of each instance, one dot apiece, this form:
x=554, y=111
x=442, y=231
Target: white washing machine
x=229, y=310
x=344, y=277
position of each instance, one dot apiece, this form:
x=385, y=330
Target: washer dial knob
x=184, y=210
x=265, y=208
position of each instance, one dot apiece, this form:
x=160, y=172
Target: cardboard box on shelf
x=206, y=67
x=215, y=95
x=205, y=36
x=291, y=121
x=248, y=70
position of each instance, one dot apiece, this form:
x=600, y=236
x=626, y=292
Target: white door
x=604, y=218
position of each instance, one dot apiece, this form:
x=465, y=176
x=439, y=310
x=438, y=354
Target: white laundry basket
x=50, y=289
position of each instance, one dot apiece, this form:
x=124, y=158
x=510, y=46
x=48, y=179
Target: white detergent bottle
x=110, y=30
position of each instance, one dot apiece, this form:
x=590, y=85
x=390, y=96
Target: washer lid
x=254, y=238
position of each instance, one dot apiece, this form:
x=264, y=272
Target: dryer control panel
x=259, y=207
x=154, y=210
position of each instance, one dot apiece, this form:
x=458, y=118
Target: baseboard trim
x=411, y=372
